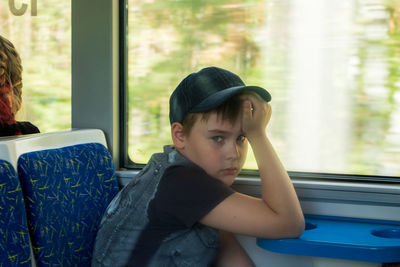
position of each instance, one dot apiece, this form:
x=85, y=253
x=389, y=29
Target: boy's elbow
x=296, y=227
x=291, y=227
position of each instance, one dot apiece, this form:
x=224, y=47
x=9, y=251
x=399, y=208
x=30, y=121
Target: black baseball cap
x=207, y=89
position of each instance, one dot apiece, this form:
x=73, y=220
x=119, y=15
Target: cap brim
x=220, y=97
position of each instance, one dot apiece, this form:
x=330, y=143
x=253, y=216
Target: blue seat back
x=14, y=236
x=66, y=192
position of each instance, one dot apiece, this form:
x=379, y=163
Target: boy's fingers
x=248, y=108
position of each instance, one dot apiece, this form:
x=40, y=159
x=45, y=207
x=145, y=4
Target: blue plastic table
x=342, y=238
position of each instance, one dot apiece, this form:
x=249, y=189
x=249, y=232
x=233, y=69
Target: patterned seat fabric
x=14, y=237
x=66, y=192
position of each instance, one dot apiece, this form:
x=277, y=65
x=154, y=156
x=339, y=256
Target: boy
x=169, y=214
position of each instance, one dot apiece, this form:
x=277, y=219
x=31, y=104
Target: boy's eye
x=217, y=139
x=241, y=138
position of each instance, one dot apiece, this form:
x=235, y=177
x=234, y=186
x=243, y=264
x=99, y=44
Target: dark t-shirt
x=184, y=195
x=18, y=128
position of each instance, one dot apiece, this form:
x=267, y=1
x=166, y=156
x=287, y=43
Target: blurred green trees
x=167, y=40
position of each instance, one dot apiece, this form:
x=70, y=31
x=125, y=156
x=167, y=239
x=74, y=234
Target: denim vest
x=126, y=217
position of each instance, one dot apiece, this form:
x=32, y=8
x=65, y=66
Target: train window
x=41, y=33
x=333, y=69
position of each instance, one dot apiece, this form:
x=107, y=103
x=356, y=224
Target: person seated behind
x=180, y=209
x=11, y=91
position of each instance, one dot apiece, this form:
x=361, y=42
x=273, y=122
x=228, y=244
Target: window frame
x=125, y=161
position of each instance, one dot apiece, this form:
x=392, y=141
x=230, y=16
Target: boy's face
x=217, y=146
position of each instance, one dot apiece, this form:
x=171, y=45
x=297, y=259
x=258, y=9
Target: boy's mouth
x=229, y=171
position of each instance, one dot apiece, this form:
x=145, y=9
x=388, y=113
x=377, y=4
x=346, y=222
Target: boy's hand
x=256, y=115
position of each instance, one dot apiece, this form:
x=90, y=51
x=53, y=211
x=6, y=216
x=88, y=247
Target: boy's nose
x=233, y=152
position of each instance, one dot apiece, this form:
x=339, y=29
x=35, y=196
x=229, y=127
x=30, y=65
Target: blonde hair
x=10, y=74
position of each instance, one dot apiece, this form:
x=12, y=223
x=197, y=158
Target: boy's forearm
x=277, y=189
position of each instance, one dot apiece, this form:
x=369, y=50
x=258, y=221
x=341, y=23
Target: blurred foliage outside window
x=332, y=67
x=41, y=32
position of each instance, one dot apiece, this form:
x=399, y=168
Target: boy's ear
x=178, y=135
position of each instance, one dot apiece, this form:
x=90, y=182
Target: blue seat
x=66, y=192
x=14, y=236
